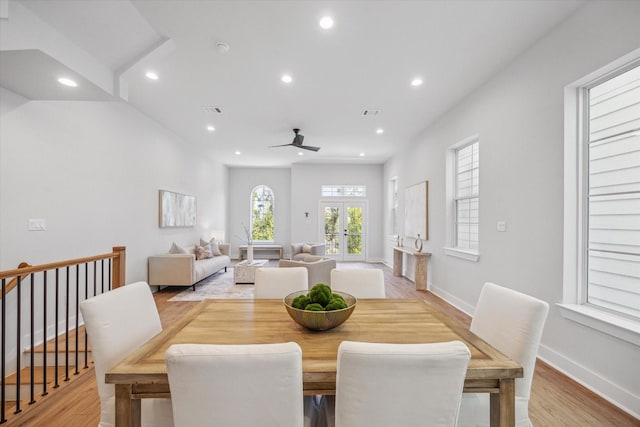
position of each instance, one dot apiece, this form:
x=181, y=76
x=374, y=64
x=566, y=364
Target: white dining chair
x=359, y=282
x=396, y=385
x=118, y=323
x=512, y=322
x=277, y=283
x=236, y=385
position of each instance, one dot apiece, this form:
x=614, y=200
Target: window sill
x=624, y=329
x=464, y=254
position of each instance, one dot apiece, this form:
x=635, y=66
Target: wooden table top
x=266, y=321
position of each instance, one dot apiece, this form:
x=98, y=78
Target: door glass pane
x=332, y=230
x=354, y=230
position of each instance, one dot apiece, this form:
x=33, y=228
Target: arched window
x=262, y=219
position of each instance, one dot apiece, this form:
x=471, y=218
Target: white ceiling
x=366, y=60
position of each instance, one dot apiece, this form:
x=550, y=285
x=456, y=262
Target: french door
x=343, y=230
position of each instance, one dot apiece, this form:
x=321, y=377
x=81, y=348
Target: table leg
x=503, y=404
x=397, y=263
x=128, y=413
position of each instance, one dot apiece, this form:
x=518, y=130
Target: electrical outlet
x=502, y=226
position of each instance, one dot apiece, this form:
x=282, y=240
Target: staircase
x=60, y=371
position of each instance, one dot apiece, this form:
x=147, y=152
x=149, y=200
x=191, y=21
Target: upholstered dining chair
x=118, y=323
x=359, y=282
x=511, y=322
x=396, y=385
x=236, y=385
x=277, y=283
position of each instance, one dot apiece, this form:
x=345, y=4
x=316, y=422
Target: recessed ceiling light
x=286, y=78
x=210, y=128
x=416, y=82
x=238, y=153
x=67, y=82
x=380, y=131
x=300, y=153
x=151, y=75
x=326, y=22
x=361, y=154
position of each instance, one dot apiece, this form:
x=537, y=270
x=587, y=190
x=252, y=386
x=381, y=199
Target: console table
x=261, y=248
x=420, y=273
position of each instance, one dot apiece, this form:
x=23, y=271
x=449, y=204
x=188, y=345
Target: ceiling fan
x=297, y=142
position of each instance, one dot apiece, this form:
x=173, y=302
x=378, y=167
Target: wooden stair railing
x=70, y=283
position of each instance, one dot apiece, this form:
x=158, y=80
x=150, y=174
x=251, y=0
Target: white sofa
x=184, y=269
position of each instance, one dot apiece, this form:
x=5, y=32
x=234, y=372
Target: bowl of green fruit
x=320, y=308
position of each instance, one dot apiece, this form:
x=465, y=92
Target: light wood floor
x=556, y=400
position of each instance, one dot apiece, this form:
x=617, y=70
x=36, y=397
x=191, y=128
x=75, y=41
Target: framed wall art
x=177, y=210
x=416, y=210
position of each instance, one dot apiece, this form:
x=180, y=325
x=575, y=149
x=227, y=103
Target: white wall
x=92, y=171
x=242, y=181
x=306, y=186
x=518, y=115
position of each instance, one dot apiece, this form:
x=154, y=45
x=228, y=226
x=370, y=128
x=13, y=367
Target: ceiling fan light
x=416, y=82
x=286, y=78
x=67, y=82
x=379, y=131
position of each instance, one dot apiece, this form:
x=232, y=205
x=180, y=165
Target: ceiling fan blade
x=283, y=145
x=308, y=147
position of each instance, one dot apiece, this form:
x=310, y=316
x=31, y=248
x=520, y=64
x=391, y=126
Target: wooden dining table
x=143, y=374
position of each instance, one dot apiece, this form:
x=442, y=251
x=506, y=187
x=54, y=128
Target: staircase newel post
x=119, y=267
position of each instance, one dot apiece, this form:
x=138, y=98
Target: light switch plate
x=502, y=226
x=37, y=224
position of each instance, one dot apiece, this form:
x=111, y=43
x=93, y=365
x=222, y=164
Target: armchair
x=319, y=268
x=300, y=250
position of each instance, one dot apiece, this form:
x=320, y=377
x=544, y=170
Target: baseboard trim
x=601, y=386
x=454, y=301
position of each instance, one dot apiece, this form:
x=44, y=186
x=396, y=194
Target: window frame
x=251, y=211
x=574, y=304
x=452, y=247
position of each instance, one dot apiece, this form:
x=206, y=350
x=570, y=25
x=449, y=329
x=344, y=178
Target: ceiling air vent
x=211, y=109
x=370, y=112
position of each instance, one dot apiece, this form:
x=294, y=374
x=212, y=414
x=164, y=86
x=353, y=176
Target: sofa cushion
x=312, y=258
x=306, y=248
x=203, y=252
x=176, y=249
x=215, y=248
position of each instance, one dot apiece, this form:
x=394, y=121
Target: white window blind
x=467, y=196
x=613, y=199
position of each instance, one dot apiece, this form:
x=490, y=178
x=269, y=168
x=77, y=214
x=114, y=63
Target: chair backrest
x=236, y=385
x=277, y=283
x=512, y=322
x=360, y=282
x=117, y=323
x=399, y=384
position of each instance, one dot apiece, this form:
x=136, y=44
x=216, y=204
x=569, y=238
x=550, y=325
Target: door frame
x=365, y=228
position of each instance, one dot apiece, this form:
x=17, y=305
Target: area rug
x=216, y=286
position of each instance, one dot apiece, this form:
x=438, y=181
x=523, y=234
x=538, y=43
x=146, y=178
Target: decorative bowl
x=320, y=320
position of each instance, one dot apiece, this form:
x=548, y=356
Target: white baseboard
x=454, y=301
x=623, y=399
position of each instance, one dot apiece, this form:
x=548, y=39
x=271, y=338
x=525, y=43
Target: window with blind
x=612, y=196
x=466, y=199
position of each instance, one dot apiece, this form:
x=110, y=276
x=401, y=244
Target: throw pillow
x=215, y=249
x=203, y=252
x=175, y=249
x=306, y=248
